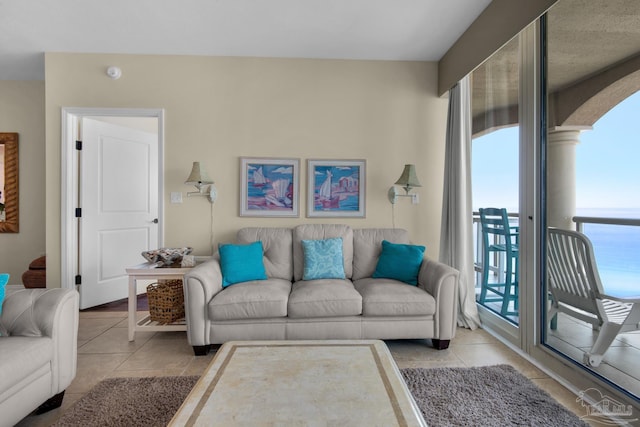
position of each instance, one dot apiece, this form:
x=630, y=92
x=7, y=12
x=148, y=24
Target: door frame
x=69, y=179
x=524, y=335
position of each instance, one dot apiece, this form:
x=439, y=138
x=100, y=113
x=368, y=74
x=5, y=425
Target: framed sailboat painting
x=269, y=187
x=336, y=188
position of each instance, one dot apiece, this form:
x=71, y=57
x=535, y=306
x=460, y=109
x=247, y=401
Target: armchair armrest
x=441, y=281
x=624, y=300
x=47, y=313
x=201, y=284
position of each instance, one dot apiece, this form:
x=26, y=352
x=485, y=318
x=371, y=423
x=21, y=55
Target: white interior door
x=119, y=202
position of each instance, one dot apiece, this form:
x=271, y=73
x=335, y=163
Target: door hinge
x=78, y=212
x=78, y=145
x=78, y=279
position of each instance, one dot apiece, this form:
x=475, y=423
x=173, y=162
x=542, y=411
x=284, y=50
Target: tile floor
x=574, y=337
x=104, y=351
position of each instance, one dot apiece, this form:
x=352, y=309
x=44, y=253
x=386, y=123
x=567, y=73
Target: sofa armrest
x=201, y=284
x=50, y=313
x=441, y=281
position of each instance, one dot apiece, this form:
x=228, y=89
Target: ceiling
x=415, y=30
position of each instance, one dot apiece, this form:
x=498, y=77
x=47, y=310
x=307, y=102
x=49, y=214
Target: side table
x=150, y=271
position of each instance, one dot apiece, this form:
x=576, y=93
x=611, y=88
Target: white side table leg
x=133, y=306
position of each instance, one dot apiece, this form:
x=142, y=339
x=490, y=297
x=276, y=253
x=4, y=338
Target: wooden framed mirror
x=9, y=183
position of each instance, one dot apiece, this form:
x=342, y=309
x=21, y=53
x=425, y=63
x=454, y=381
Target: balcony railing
x=618, y=262
x=616, y=244
x=581, y=220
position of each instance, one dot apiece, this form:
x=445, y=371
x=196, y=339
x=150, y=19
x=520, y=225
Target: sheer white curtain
x=456, y=242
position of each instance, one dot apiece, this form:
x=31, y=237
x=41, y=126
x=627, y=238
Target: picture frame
x=269, y=187
x=336, y=188
x=9, y=197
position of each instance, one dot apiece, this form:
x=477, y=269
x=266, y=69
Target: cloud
x=284, y=170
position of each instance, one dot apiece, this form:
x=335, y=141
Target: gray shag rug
x=483, y=396
x=128, y=402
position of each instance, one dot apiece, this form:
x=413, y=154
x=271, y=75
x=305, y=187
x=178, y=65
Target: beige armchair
x=38, y=350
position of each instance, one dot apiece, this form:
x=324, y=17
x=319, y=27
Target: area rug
x=484, y=396
x=127, y=402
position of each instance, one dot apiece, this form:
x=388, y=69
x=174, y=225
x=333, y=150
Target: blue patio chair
x=499, y=242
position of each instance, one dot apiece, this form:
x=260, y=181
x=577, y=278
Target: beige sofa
x=38, y=357
x=285, y=307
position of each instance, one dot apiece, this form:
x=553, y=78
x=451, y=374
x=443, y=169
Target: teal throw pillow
x=399, y=262
x=323, y=259
x=241, y=263
x=4, y=278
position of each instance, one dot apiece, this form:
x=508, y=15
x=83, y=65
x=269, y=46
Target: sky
x=608, y=159
x=607, y=163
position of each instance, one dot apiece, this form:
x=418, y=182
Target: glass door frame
x=529, y=106
x=527, y=338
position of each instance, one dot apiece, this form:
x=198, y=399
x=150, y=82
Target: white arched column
x=561, y=175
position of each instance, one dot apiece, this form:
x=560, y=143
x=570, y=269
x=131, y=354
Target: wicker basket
x=166, y=301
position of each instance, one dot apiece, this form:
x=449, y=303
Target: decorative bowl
x=166, y=256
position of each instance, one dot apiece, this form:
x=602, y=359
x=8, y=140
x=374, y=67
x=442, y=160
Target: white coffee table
x=301, y=383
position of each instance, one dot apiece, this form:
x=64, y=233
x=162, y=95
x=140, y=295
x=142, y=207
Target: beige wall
x=219, y=109
x=22, y=111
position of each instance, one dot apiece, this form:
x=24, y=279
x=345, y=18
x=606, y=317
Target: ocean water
x=617, y=250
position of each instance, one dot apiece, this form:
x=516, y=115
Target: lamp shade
x=408, y=179
x=198, y=175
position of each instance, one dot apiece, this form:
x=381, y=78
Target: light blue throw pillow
x=323, y=259
x=241, y=263
x=4, y=278
x=399, y=262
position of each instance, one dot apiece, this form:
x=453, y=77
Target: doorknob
x=155, y=221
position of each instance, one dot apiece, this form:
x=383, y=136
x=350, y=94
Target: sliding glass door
x=556, y=119
x=495, y=177
x=592, y=174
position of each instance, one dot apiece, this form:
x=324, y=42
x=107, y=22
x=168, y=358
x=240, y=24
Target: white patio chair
x=576, y=290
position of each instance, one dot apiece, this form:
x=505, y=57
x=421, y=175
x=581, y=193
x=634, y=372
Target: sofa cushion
x=241, y=263
x=324, y=298
x=277, y=247
x=251, y=300
x=399, y=262
x=4, y=279
x=320, y=232
x=387, y=297
x=20, y=357
x=367, y=245
x=323, y=259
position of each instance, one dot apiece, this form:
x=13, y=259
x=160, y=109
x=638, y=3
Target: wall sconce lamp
x=202, y=182
x=407, y=180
